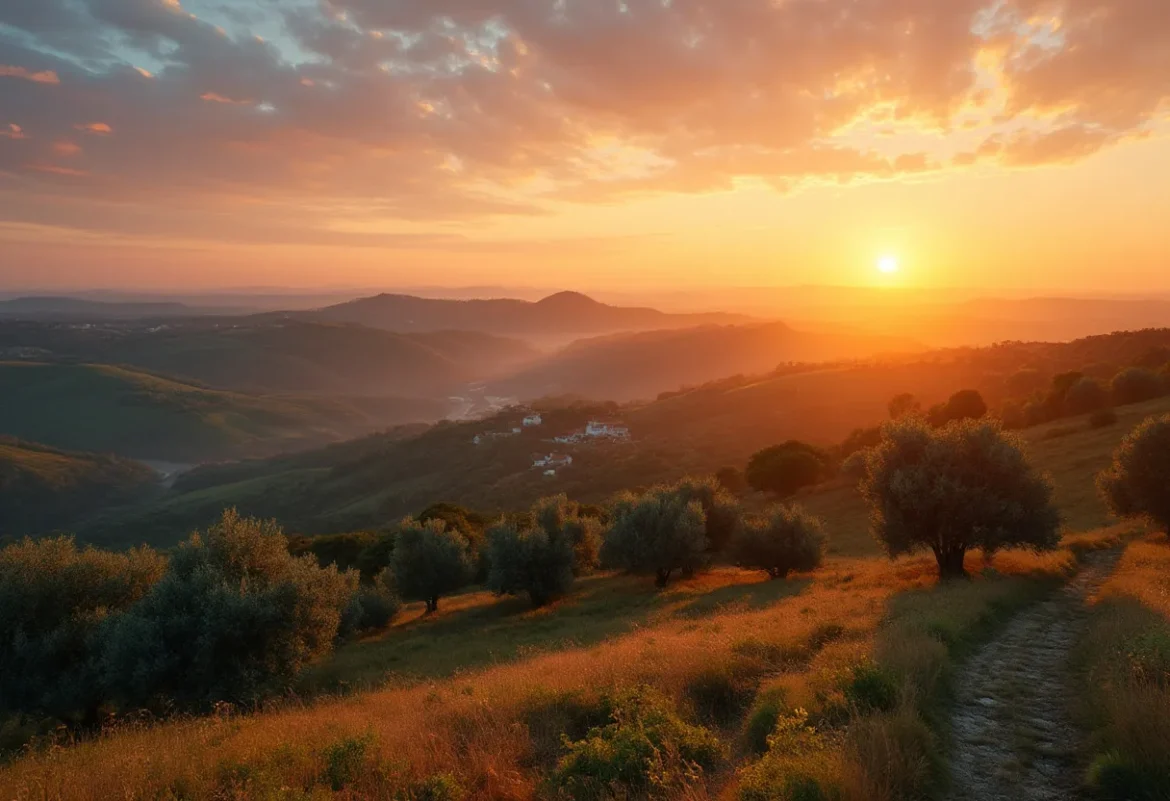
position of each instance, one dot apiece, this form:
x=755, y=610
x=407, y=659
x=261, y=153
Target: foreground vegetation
x=1125, y=661
x=765, y=685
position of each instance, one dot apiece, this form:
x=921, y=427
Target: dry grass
x=1126, y=662
x=496, y=726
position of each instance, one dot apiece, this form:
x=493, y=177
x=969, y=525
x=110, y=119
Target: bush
x=530, y=561
x=859, y=440
x=1103, y=418
x=1087, y=395
x=54, y=598
x=786, y=539
x=645, y=751
x=234, y=618
x=372, y=608
x=1136, y=385
x=854, y=467
x=798, y=766
x=1137, y=484
x=430, y=561
x=785, y=469
x=731, y=479
x=345, y=761
x=964, y=486
x=656, y=533
x=965, y=404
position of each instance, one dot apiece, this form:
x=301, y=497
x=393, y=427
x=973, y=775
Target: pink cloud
x=43, y=76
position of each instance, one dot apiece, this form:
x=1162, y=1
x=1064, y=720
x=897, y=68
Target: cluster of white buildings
x=593, y=431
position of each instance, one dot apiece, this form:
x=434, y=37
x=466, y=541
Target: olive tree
x=531, y=562
x=1137, y=484
x=543, y=560
x=54, y=599
x=430, y=561
x=785, y=469
x=235, y=618
x=722, y=511
x=786, y=539
x=562, y=519
x=656, y=533
x=966, y=485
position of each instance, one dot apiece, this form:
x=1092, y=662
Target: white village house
x=611, y=430
x=552, y=461
x=533, y=420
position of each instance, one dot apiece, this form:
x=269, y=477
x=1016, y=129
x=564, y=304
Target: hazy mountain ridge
x=562, y=314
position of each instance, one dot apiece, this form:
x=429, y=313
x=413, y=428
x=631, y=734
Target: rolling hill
x=641, y=365
x=563, y=316
x=272, y=355
x=93, y=407
x=43, y=488
x=697, y=431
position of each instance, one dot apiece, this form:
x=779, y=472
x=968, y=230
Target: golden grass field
x=483, y=692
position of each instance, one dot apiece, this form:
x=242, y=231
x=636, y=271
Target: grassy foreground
x=829, y=683
x=1126, y=670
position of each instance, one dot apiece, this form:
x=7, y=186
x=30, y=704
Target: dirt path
x=1012, y=734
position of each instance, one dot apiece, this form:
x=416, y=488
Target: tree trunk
x=950, y=563
x=432, y=605
x=662, y=577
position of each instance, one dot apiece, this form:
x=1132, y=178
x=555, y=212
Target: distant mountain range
x=267, y=355
x=565, y=315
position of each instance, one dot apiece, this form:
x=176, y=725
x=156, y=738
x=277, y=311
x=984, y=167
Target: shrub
x=720, y=692
x=1086, y=395
x=1136, y=385
x=722, y=511
x=965, y=404
x=1137, y=484
x=731, y=479
x=646, y=750
x=372, y=608
x=964, y=486
x=54, y=598
x=785, y=469
x=345, y=761
x=786, y=539
x=1103, y=418
x=656, y=533
x=234, y=618
x=871, y=688
x=531, y=561
x=798, y=766
x=902, y=405
x=859, y=440
x=430, y=561
x=762, y=718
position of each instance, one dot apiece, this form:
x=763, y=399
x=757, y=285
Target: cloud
x=457, y=110
x=44, y=76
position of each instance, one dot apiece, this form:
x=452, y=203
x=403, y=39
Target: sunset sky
x=585, y=143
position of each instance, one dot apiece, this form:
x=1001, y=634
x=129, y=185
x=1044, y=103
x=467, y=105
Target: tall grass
x=1125, y=660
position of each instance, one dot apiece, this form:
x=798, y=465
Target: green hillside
x=43, y=488
x=104, y=408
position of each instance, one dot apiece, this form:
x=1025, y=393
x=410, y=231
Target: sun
x=888, y=265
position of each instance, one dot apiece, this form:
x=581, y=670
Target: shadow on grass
x=476, y=630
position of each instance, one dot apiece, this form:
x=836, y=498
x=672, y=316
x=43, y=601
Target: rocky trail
x=1012, y=734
